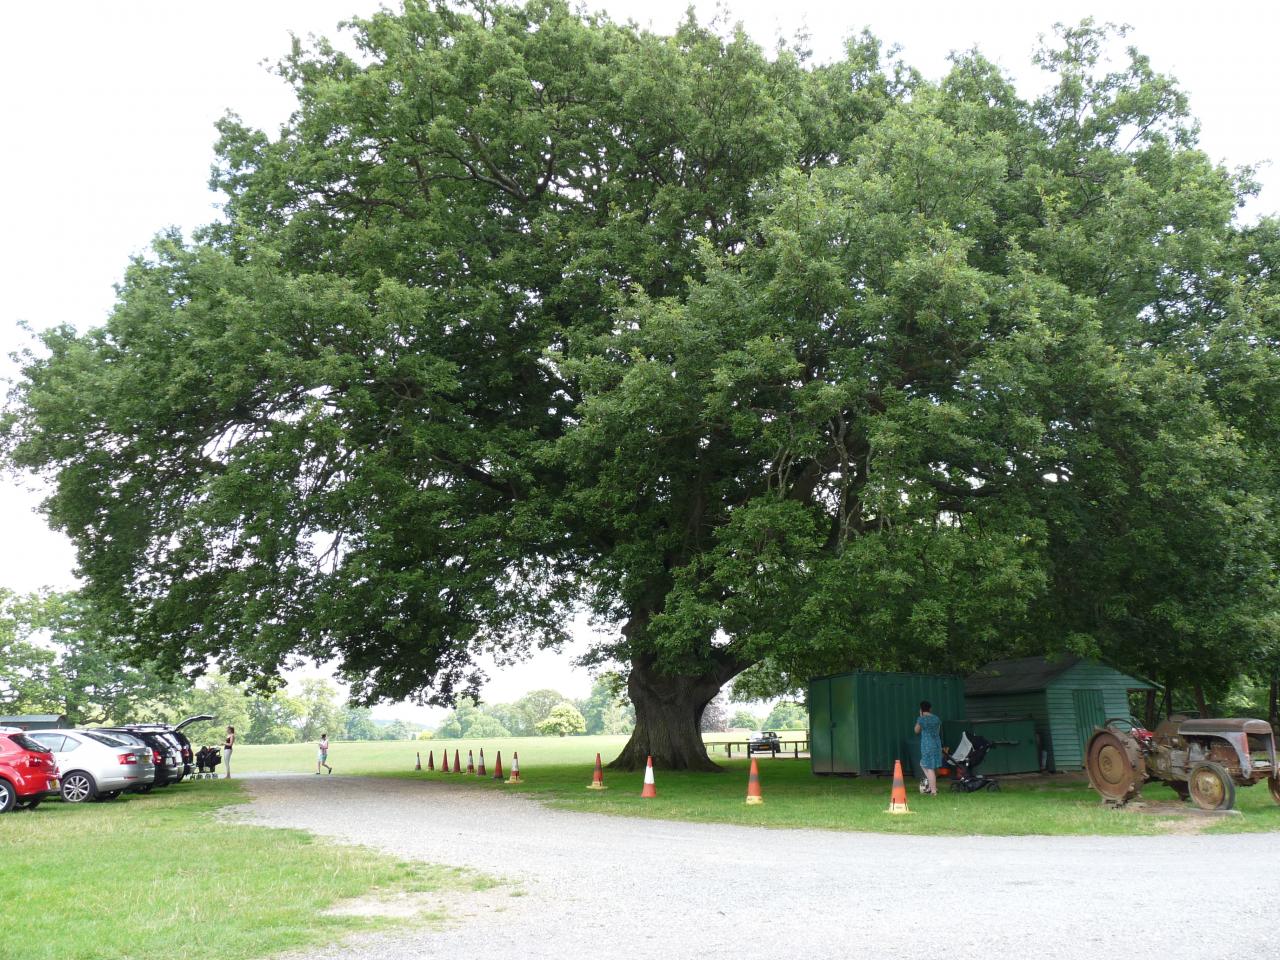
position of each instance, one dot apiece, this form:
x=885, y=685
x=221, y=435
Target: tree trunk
x=1201, y=707
x=1273, y=701
x=1150, y=719
x=669, y=717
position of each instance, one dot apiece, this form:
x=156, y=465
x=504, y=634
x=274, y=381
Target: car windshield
x=26, y=743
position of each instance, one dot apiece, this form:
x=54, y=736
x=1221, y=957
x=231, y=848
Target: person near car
x=322, y=754
x=227, y=746
x=929, y=727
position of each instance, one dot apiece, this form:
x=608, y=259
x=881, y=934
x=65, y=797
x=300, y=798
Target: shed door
x=820, y=725
x=844, y=725
x=1090, y=713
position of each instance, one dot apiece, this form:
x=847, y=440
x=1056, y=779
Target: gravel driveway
x=610, y=886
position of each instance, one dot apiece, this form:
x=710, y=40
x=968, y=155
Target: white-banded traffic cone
x=650, y=789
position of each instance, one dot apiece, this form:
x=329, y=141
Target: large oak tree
x=770, y=365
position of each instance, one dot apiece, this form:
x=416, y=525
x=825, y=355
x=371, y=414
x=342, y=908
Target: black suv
x=174, y=732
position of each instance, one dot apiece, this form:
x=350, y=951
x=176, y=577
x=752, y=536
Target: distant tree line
x=545, y=712
x=282, y=716
x=55, y=657
x=785, y=715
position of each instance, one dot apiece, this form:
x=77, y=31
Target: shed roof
x=1025, y=675
x=1030, y=674
x=32, y=718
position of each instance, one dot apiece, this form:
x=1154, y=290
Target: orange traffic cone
x=497, y=767
x=471, y=763
x=431, y=760
x=457, y=762
x=515, y=769
x=418, y=764
x=597, y=778
x=480, y=769
x=650, y=788
x=444, y=762
x=898, y=799
x=753, y=785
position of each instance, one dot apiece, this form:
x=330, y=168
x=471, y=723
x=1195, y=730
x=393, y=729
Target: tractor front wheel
x=1274, y=784
x=1212, y=787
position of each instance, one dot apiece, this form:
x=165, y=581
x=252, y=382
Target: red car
x=28, y=772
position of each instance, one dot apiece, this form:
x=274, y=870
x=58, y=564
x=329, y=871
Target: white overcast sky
x=108, y=109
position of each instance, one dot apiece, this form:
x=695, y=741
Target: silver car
x=96, y=765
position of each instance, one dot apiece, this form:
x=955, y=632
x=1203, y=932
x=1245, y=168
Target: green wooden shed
x=1066, y=698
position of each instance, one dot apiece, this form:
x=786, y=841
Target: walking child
x=322, y=754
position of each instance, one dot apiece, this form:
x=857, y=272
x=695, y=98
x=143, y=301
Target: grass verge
x=127, y=878
x=557, y=770
x=794, y=798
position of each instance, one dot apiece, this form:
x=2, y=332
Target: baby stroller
x=206, y=759
x=967, y=756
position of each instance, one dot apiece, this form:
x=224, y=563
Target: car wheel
x=78, y=786
x=7, y=796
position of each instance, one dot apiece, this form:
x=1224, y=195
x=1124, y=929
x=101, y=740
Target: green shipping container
x=860, y=722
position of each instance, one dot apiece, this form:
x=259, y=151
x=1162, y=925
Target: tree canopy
x=563, y=720
x=773, y=366
x=56, y=658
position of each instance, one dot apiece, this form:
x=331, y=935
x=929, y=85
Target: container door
x=820, y=725
x=845, y=757
x=1090, y=713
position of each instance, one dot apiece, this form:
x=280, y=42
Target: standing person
x=930, y=729
x=226, y=750
x=322, y=754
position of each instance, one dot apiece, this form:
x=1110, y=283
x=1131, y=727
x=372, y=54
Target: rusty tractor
x=1203, y=760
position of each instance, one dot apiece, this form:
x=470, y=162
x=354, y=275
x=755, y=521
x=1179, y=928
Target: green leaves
x=813, y=366
x=56, y=657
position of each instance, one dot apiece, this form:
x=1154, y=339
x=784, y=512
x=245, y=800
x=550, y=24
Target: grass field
x=557, y=771
x=161, y=876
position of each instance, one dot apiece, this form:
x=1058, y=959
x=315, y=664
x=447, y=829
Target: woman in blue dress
x=930, y=729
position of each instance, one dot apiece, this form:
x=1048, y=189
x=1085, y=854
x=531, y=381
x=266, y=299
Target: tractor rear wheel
x=1111, y=772
x=1212, y=787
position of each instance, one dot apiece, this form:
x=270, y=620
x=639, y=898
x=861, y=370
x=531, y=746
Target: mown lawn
x=160, y=875
x=378, y=757
x=557, y=770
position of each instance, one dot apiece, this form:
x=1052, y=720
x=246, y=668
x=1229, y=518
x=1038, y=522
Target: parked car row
x=97, y=764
